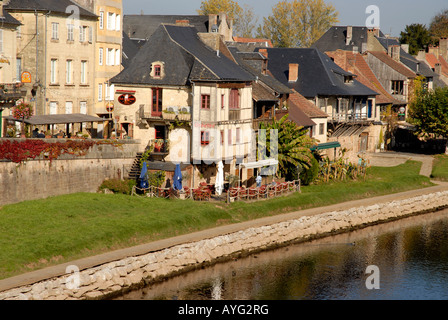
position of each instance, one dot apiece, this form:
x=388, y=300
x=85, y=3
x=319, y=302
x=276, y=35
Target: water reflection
x=412, y=256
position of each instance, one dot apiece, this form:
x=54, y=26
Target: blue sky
x=394, y=14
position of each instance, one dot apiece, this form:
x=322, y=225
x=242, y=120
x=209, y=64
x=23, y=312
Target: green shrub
x=118, y=186
x=308, y=176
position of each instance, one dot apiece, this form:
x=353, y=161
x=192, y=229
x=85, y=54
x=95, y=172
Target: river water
x=411, y=256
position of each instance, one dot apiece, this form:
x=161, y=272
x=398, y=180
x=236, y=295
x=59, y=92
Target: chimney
x=405, y=47
x=394, y=52
x=421, y=56
x=264, y=52
x=213, y=23
x=438, y=68
x=434, y=50
x=349, y=36
x=443, y=48
x=293, y=72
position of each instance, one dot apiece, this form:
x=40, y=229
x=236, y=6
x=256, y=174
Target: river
x=411, y=256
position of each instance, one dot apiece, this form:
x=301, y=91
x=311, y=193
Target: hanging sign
x=127, y=99
x=26, y=77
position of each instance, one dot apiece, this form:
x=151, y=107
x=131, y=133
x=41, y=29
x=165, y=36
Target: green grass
x=36, y=234
x=440, y=168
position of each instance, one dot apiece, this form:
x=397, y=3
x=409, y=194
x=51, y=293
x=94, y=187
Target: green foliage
x=156, y=179
x=429, y=112
x=293, y=146
x=118, y=186
x=417, y=36
x=310, y=175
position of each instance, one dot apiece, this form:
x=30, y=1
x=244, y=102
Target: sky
x=394, y=15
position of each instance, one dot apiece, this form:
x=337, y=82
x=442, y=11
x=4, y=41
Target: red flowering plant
x=21, y=112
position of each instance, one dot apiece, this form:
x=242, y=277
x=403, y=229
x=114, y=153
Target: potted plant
x=169, y=115
x=184, y=116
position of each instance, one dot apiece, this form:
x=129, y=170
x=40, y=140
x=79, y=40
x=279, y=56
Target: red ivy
x=19, y=151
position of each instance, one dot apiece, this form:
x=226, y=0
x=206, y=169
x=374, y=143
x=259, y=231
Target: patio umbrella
x=143, y=178
x=219, y=184
x=177, y=185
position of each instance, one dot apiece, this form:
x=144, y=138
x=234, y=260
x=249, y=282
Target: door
x=364, y=142
x=156, y=110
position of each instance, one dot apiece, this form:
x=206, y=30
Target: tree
x=439, y=26
x=294, y=146
x=417, y=36
x=244, y=18
x=298, y=23
x=428, y=112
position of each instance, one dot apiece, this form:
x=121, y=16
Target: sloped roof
x=318, y=74
x=356, y=62
x=335, y=38
x=397, y=66
x=258, y=41
x=306, y=106
x=8, y=19
x=295, y=115
x=143, y=26
x=185, y=58
x=55, y=6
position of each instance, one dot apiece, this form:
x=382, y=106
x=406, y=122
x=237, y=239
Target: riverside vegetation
x=37, y=234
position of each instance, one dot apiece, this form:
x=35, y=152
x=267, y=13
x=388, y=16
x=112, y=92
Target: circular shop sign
x=127, y=99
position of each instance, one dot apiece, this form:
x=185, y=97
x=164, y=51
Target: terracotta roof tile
x=306, y=106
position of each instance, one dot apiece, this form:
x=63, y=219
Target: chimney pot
x=293, y=72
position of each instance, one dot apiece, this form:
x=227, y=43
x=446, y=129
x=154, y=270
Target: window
x=110, y=57
x=397, y=87
x=110, y=21
x=55, y=31
x=238, y=135
x=101, y=23
x=101, y=57
x=321, y=128
x=90, y=34
x=69, y=72
x=69, y=107
x=106, y=91
x=100, y=92
x=82, y=34
x=117, y=57
x=18, y=69
x=83, y=72
x=229, y=138
x=157, y=71
x=19, y=32
x=83, y=107
x=222, y=101
x=70, y=32
x=222, y=137
x=234, y=102
x=53, y=71
x=205, y=101
x=118, y=23
x=205, y=138
x=53, y=107
x=157, y=102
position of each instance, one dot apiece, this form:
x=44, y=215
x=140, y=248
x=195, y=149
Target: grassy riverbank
x=36, y=234
x=440, y=168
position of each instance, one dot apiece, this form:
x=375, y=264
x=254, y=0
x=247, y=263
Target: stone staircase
x=134, y=172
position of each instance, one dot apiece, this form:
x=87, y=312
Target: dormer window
x=157, y=70
x=348, y=79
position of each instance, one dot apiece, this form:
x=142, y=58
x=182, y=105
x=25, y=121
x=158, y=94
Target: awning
x=259, y=164
x=58, y=119
x=326, y=146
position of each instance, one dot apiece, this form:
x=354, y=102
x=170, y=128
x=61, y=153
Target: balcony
x=352, y=117
x=145, y=113
x=159, y=146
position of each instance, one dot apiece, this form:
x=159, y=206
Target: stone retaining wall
x=38, y=179
x=133, y=272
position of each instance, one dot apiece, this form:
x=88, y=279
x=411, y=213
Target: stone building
x=56, y=46
x=188, y=100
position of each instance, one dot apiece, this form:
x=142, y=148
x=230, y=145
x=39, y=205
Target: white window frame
x=69, y=107
x=110, y=57
x=54, y=31
x=54, y=71
x=101, y=22
x=84, y=70
x=117, y=57
x=53, y=107
x=117, y=22
x=101, y=57
x=69, y=72
x=83, y=107
x=70, y=32
x=111, y=21
x=100, y=92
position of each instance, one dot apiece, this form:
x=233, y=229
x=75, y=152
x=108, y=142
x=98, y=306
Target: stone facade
x=132, y=272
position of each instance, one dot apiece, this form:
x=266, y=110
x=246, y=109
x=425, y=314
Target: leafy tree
x=439, y=26
x=294, y=146
x=429, y=112
x=417, y=36
x=244, y=17
x=298, y=23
